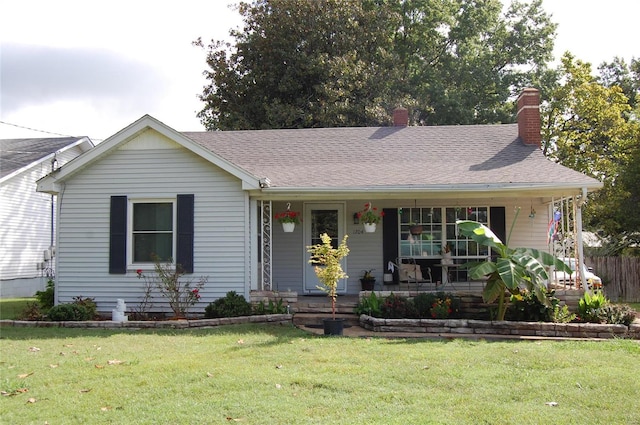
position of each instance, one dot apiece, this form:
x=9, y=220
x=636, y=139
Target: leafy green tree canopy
x=589, y=125
x=300, y=64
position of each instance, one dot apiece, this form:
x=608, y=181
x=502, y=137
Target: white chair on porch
x=411, y=273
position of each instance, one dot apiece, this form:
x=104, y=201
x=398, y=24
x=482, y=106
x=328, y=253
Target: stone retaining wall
x=162, y=324
x=481, y=327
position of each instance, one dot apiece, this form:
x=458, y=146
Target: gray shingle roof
x=378, y=157
x=18, y=153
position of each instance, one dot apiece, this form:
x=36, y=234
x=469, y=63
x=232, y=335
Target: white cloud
x=43, y=75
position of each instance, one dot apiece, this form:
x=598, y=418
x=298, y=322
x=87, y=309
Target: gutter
x=402, y=191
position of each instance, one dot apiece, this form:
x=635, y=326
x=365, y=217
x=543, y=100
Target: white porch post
x=579, y=242
x=265, y=246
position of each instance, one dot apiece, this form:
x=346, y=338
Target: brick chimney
x=400, y=117
x=529, y=117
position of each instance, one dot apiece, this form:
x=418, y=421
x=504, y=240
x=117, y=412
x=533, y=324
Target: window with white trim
x=152, y=233
x=438, y=227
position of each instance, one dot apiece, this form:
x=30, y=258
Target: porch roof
x=440, y=158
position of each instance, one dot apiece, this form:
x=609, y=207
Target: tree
x=327, y=265
x=617, y=73
x=589, y=127
x=348, y=63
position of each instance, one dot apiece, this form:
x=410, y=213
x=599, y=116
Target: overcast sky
x=90, y=68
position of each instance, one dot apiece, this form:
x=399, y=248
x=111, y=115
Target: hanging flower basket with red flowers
x=370, y=217
x=288, y=219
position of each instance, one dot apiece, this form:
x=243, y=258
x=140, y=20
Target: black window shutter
x=497, y=215
x=118, y=235
x=389, y=237
x=184, y=244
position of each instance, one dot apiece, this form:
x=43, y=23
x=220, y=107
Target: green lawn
x=635, y=306
x=268, y=374
x=12, y=308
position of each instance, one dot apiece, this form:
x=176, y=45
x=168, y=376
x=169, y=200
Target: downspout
x=54, y=161
x=579, y=265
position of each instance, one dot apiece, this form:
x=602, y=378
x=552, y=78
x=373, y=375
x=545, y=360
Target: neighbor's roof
x=385, y=157
x=16, y=154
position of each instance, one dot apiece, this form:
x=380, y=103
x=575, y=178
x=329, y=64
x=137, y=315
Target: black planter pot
x=368, y=284
x=333, y=326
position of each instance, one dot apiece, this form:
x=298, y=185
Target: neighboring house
x=26, y=216
x=208, y=200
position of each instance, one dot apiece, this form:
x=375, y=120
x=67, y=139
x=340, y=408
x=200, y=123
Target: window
x=152, y=231
x=429, y=242
x=462, y=246
x=138, y=228
x=433, y=221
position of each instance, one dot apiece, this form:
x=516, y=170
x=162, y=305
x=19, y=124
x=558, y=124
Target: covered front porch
x=399, y=258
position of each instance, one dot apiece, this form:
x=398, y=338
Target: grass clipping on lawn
x=269, y=374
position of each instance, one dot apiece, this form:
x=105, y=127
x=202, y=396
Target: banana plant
x=510, y=268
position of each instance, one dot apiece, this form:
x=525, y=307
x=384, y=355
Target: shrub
x=438, y=305
x=589, y=306
x=398, y=307
x=46, y=298
x=562, y=314
x=371, y=305
x=168, y=279
x=33, y=311
x=232, y=305
x=89, y=304
x=69, y=312
x=617, y=314
x=525, y=306
x=423, y=303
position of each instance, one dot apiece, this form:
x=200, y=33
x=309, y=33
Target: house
x=27, y=217
x=208, y=200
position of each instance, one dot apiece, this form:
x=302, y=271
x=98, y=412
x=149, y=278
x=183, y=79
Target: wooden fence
x=620, y=276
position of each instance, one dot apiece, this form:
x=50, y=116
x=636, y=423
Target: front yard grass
x=12, y=308
x=268, y=374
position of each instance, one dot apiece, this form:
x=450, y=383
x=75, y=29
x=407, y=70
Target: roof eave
x=84, y=143
x=428, y=191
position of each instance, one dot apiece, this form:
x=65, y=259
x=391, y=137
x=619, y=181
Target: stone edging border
x=482, y=327
x=450, y=327
x=144, y=324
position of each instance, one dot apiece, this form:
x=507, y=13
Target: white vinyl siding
x=289, y=253
x=25, y=220
x=151, y=167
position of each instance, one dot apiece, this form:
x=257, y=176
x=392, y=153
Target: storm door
x=319, y=219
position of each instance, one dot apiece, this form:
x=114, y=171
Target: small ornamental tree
x=326, y=260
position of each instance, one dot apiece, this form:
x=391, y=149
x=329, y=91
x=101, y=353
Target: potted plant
x=288, y=219
x=415, y=229
x=326, y=260
x=446, y=254
x=368, y=281
x=370, y=217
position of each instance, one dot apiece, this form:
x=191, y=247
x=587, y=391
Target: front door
x=319, y=219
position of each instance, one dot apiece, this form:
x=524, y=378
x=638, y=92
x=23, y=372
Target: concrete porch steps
x=344, y=304
x=310, y=310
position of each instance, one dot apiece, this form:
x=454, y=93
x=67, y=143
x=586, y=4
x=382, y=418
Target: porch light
x=532, y=214
x=356, y=219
